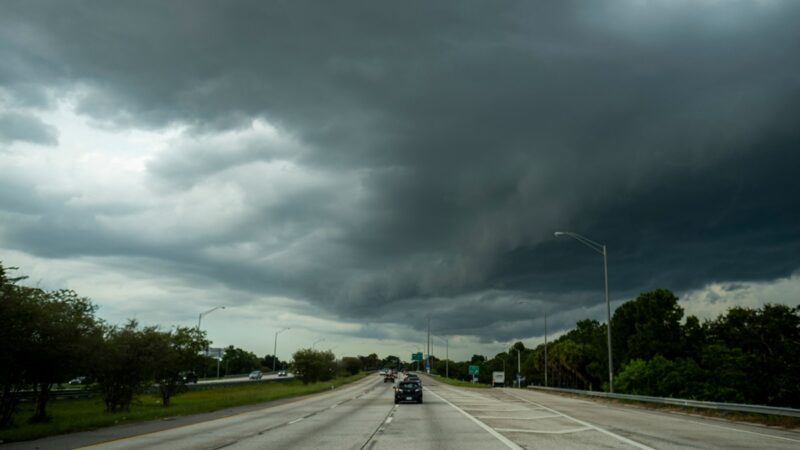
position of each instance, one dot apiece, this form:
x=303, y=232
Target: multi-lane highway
x=363, y=415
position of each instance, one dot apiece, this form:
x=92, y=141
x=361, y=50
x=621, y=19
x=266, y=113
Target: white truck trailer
x=498, y=378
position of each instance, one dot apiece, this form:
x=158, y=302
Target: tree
x=127, y=363
x=647, y=326
x=270, y=361
x=351, y=365
x=237, y=360
x=313, y=365
x=179, y=351
x=65, y=331
x=16, y=315
x=371, y=362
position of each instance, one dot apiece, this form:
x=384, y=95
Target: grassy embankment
x=459, y=383
x=70, y=415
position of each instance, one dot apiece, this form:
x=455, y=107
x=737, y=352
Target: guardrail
x=737, y=407
x=85, y=393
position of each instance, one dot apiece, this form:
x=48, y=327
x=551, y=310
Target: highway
x=363, y=415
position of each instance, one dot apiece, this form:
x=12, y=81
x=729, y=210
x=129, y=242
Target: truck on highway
x=498, y=378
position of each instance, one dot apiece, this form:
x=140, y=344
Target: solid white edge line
x=488, y=429
x=746, y=431
x=296, y=420
x=587, y=424
x=519, y=430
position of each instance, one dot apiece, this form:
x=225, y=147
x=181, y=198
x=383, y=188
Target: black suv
x=408, y=391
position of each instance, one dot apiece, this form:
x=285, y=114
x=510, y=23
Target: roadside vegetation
x=51, y=337
x=70, y=415
x=746, y=355
x=460, y=383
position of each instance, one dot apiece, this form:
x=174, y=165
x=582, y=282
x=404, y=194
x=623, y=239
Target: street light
x=275, y=347
x=599, y=248
x=446, y=356
x=205, y=313
x=200, y=320
x=519, y=367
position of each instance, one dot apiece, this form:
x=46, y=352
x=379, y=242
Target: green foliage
x=236, y=360
x=370, y=362
x=270, y=361
x=127, y=363
x=647, y=326
x=180, y=350
x=46, y=335
x=351, y=365
x=314, y=365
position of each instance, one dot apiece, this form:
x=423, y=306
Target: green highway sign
x=473, y=370
x=416, y=356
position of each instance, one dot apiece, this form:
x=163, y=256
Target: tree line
x=746, y=355
x=50, y=337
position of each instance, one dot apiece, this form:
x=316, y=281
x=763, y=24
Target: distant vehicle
x=498, y=378
x=388, y=378
x=282, y=373
x=188, y=377
x=255, y=375
x=413, y=377
x=77, y=380
x=382, y=372
x=408, y=391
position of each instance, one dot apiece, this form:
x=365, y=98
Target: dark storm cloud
x=26, y=128
x=665, y=130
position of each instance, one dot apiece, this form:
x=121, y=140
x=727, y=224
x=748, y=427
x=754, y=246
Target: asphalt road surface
x=363, y=415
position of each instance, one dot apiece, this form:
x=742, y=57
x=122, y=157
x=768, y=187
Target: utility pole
x=427, y=367
x=545, y=349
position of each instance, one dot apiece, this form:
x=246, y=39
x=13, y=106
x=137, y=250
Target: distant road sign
x=473, y=370
x=416, y=356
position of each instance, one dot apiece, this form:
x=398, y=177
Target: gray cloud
x=447, y=143
x=26, y=128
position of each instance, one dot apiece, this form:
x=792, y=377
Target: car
x=282, y=373
x=414, y=377
x=388, y=378
x=408, y=391
x=78, y=380
x=188, y=377
x=255, y=375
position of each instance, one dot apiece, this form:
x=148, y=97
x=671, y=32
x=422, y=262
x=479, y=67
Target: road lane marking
x=518, y=418
x=748, y=432
x=586, y=424
x=296, y=420
x=488, y=429
x=517, y=430
x=388, y=420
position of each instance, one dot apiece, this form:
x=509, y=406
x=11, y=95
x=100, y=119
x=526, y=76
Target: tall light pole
x=428, y=365
x=205, y=313
x=200, y=320
x=275, y=347
x=519, y=367
x=545, y=349
x=446, y=356
x=599, y=248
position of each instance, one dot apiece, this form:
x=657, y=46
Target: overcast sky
x=348, y=169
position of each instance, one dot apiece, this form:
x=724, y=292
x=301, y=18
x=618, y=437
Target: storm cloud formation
x=386, y=161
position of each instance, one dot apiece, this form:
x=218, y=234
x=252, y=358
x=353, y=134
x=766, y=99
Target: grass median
x=71, y=415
